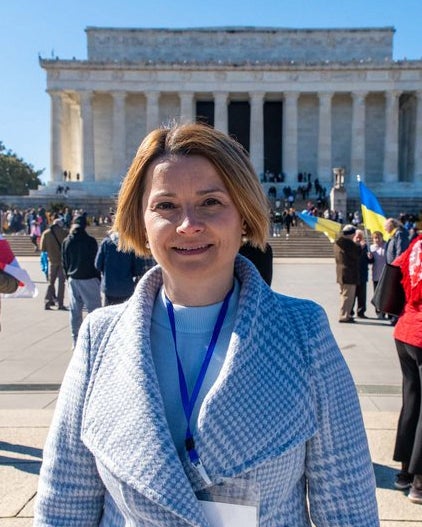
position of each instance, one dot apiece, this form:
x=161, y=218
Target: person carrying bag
x=389, y=294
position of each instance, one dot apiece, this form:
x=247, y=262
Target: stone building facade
x=300, y=101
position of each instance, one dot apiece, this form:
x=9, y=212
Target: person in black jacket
x=360, y=241
x=263, y=260
x=120, y=269
x=347, y=255
x=83, y=279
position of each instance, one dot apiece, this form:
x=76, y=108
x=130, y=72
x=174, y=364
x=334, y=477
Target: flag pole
x=365, y=230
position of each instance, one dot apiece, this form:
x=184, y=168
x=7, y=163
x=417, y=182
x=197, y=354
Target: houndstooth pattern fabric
x=283, y=416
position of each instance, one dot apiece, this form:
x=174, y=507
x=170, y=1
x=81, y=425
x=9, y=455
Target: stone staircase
x=22, y=246
x=302, y=243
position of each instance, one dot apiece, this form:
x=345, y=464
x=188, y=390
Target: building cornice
x=60, y=64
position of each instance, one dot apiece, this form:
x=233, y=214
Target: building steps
x=301, y=243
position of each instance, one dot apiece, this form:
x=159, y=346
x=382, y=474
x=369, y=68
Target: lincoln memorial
x=299, y=100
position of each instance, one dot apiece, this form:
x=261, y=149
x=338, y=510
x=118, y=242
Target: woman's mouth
x=190, y=251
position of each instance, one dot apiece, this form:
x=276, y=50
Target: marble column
x=75, y=139
x=256, y=140
x=358, y=135
x=221, y=115
x=290, y=120
x=87, y=147
x=391, y=149
x=153, y=110
x=119, y=134
x=187, y=114
x=56, y=129
x=418, y=139
x=324, y=167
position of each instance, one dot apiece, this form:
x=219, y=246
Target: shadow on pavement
x=25, y=465
x=384, y=476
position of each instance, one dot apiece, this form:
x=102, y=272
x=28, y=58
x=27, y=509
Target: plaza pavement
x=35, y=348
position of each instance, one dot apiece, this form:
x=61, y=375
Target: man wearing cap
x=347, y=256
x=83, y=279
x=51, y=243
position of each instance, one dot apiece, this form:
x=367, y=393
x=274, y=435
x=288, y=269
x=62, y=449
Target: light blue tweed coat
x=282, y=417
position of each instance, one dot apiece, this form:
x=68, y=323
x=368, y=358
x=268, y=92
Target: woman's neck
x=194, y=293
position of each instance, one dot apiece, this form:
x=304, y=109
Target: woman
x=206, y=392
x=35, y=234
x=408, y=338
x=376, y=258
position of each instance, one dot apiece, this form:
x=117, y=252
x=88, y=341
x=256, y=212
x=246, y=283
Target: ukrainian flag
x=372, y=213
x=330, y=228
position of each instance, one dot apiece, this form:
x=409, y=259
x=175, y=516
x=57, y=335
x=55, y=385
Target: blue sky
x=46, y=27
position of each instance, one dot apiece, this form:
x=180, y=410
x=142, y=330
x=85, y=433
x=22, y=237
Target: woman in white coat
x=206, y=399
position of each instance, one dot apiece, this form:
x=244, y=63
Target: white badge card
x=231, y=503
x=229, y=514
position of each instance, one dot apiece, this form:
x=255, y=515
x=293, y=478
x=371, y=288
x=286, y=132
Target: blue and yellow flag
x=330, y=228
x=372, y=214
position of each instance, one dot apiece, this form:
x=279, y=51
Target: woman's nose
x=190, y=222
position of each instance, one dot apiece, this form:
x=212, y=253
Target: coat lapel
x=124, y=422
x=261, y=405
x=257, y=409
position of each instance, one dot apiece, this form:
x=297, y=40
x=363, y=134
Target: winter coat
x=347, y=254
x=78, y=255
x=397, y=244
x=119, y=269
x=409, y=325
x=51, y=243
x=282, y=418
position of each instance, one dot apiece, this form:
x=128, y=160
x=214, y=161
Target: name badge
x=221, y=514
x=231, y=503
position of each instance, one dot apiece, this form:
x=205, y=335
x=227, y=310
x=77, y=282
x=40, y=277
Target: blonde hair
x=377, y=233
x=227, y=156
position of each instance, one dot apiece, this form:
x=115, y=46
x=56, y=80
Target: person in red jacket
x=408, y=339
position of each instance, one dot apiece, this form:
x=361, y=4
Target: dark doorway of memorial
x=205, y=112
x=273, y=137
x=239, y=122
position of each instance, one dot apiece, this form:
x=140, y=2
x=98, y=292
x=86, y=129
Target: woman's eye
x=209, y=202
x=165, y=205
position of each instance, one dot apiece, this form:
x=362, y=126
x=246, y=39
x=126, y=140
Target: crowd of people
x=18, y=221
x=69, y=254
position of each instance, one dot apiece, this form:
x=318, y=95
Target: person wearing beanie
x=347, y=256
x=83, y=279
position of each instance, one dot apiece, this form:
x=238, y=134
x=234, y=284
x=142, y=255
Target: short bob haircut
x=227, y=156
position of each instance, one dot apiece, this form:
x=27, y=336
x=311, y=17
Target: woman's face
x=376, y=238
x=193, y=228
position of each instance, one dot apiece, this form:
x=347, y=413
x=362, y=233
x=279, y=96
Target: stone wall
x=225, y=45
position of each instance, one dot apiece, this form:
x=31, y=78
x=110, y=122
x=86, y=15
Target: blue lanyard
x=189, y=402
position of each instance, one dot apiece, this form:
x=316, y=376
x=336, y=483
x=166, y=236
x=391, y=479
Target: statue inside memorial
x=338, y=177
